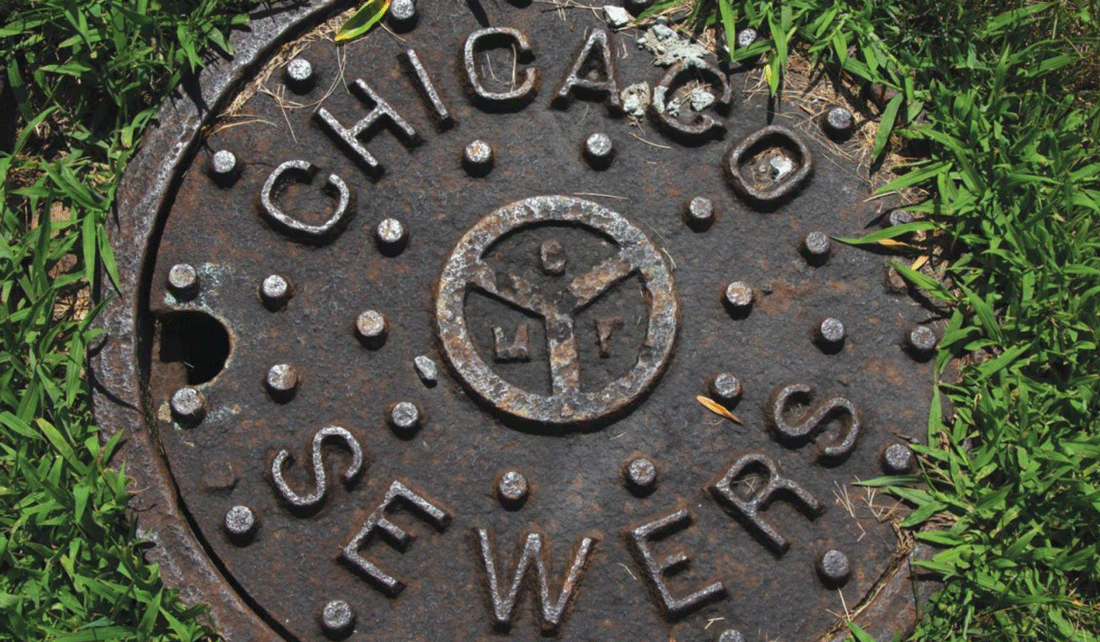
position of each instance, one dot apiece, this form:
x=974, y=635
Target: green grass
x=998, y=104
x=87, y=78
x=1006, y=96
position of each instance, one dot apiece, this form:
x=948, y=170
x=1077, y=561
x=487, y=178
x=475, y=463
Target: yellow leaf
x=897, y=245
x=919, y=263
x=718, y=409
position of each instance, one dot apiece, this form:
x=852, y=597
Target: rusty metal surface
x=630, y=254
x=420, y=337
x=120, y=398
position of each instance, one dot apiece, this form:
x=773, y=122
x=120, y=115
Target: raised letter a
x=552, y=613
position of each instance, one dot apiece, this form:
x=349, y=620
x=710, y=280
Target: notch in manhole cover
x=425, y=321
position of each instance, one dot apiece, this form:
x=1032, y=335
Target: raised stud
x=739, y=296
x=188, y=406
x=427, y=370
x=920, y=342
x=698, y=213
x=731, y=635
x=392, y=237
x=899, y=217
x=816, y=247
x=282, y=381
x=299, y=76
x=275, y=292
x=405, y=419
x=838, y=122
x=402, y=15
x=240, y=524
x=224, y=168
x=224, y=162
x=641, y=475
x=897, y=459
x=183, y=281
x=337, y=618
x=725, y=387
x=372, y=328
x=830, y=334
x=478, y=158
x=599, y=150
x=512, y=489
x=894, y=282
x=833, y=568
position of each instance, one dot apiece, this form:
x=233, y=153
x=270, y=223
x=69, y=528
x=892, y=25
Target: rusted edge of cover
x=118, y=398
x=896, y=602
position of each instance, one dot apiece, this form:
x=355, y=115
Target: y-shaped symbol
x=558, y=312
x=568, y=403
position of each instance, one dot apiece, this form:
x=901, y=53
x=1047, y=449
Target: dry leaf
x=919, y=263
x=891, y=243
x=718, y=409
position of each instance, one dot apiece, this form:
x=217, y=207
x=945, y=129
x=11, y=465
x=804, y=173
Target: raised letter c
x=512, y=100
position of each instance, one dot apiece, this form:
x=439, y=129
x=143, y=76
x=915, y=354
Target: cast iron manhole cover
x=410, y=343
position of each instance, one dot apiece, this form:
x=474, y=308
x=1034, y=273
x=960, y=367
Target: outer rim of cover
x=120, y=401
x=119, y=398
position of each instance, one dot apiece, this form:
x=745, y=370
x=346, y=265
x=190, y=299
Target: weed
x=84, y=79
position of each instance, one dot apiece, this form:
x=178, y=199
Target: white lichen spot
x=615, y=16
x=700, y=99
x=211, y=276
x=673, y=106
x=636, y=99
x=659, y=99
x=697, y=99
x=669, y=47
x=213, y=273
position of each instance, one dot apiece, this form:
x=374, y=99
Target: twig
x=648, y=142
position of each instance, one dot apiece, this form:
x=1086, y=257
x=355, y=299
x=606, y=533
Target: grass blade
x=858, y=634
x=886, y=126
x=59, y=443
x=728, y=24
x=891, y=232
x=915, y=177
x=924, y=282
x=362, y=20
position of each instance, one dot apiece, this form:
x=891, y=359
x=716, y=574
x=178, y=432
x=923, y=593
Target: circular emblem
x=630, y=254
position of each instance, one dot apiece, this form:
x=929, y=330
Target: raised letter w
x=552, y=613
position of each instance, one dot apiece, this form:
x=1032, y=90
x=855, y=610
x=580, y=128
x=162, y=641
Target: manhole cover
x=410, y=343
